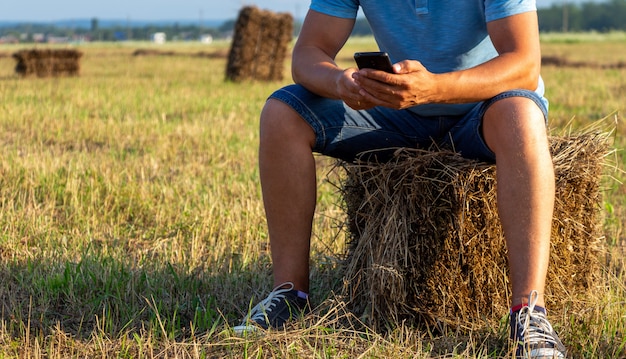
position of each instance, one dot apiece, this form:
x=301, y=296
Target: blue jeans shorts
x=344, y=133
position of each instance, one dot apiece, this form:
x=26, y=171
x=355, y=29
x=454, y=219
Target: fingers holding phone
x=409, y=84
x=370, y=82
x=349, y=91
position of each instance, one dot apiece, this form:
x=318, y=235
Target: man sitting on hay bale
x=465, y=77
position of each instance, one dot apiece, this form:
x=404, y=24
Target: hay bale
x=426, y=243
x=48, y=62
x=260, y=45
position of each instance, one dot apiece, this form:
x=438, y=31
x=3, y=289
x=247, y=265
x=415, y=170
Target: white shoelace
x=536, y=330
x=260, y=310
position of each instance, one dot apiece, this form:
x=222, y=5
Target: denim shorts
x=344, y=133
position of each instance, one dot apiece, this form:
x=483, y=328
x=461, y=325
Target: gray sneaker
x=533, y=333
x=280, y=306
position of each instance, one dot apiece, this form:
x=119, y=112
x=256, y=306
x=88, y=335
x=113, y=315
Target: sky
x=47, y=10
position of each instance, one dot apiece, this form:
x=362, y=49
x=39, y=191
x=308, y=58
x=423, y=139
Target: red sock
x=518, y=307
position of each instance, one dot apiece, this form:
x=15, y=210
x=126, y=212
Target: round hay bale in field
x=426, y=243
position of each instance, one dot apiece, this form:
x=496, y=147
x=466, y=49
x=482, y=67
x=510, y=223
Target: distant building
x=158, y=37
x=9, y=39
x=120, y=36
x=58, y=39
x=206, y=39
x=38, y=37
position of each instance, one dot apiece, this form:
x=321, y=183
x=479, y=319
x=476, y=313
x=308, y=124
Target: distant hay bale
x=48, y=62
x=260, y=45
x=427, y=246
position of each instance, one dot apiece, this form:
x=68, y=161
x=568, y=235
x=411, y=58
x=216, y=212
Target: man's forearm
x=316, y=71
x=489, y=79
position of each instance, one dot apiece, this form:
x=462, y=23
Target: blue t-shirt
x=444, y=35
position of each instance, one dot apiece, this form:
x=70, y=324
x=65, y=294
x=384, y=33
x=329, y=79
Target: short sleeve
x=498, y=9
x=339, y=8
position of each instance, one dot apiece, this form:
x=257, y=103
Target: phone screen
x=373, y=60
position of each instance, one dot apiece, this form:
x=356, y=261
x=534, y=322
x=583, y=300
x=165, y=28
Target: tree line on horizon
x=587, y=16
x=565, y=17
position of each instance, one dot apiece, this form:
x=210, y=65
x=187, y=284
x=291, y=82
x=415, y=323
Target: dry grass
x=132, y=224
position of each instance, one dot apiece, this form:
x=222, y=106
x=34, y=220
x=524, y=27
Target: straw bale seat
x=426, y=245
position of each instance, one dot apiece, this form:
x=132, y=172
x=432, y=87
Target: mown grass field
x=132, y=224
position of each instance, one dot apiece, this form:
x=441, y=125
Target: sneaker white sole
x=242, y=330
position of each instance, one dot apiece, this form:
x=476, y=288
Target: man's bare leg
x=515, y=130
x=288, y=181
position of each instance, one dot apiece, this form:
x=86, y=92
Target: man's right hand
x=349, y=91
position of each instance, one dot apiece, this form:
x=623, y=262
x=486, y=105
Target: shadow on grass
x=101, y=292
x=102, y=295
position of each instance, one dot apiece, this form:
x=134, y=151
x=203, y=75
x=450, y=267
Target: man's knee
x=513, y=121
x=280, y=120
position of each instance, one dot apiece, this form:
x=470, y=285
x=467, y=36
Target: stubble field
x=132, y=224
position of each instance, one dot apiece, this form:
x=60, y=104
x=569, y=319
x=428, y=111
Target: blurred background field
x=132, y=223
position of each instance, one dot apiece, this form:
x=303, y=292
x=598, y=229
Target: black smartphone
x=373, y=60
